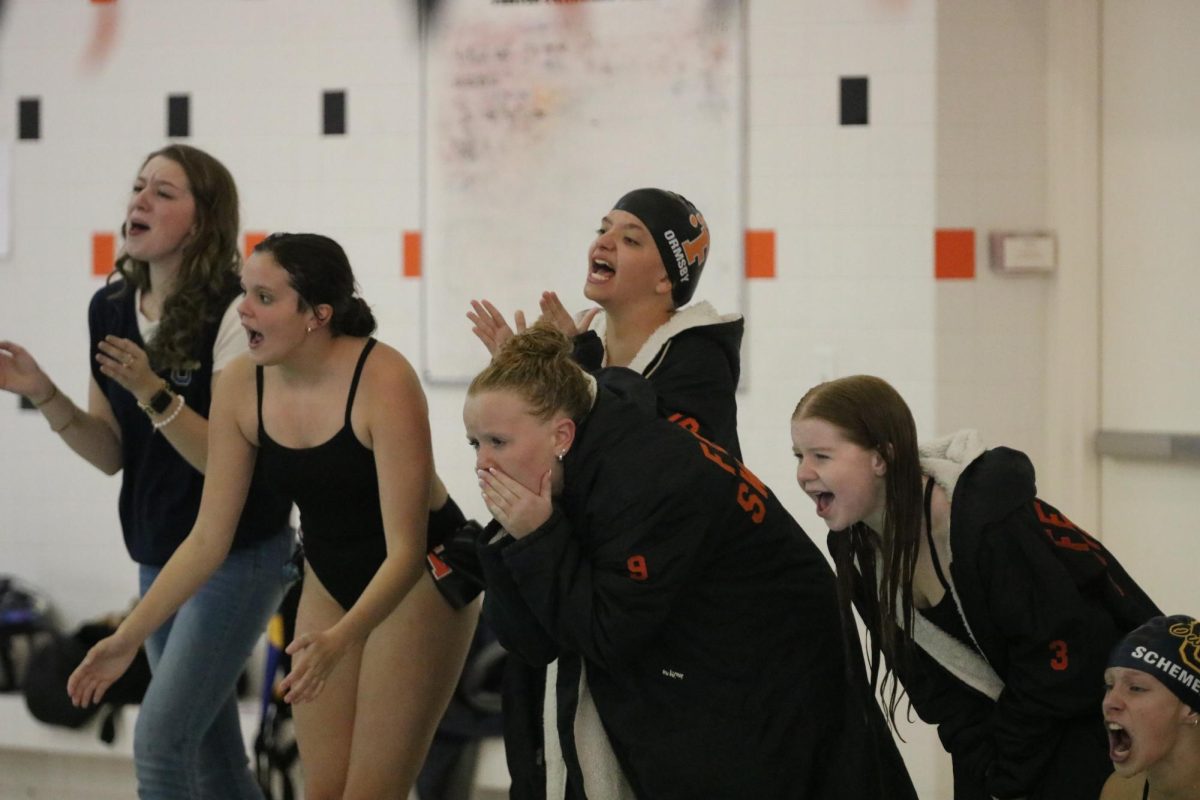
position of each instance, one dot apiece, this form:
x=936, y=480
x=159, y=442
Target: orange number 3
x=1059, y=661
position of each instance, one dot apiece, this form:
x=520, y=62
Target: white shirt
x=231, y=340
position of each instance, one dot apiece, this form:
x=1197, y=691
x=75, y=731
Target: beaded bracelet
x=162, y=423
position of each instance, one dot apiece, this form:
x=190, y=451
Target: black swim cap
x=679, y=231
x=1169, y=649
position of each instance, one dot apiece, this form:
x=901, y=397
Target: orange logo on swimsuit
x=1189, y=648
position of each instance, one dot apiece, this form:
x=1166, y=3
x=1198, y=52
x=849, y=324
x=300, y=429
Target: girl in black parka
x=691, y=622
x=994, y=611
x=643, y=269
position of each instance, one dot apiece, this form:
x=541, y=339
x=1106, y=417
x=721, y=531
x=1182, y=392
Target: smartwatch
x=160, y=402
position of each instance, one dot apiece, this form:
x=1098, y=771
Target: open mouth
x=134, y=228
x=255, y=337
x=823, y=501
x=601, y=271
x=1120, y=743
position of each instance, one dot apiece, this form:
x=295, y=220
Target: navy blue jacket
x=160, y=491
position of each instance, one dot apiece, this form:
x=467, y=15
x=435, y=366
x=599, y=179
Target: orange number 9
x=637, y=568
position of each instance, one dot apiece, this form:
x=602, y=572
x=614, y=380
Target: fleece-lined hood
x=944, y=459
x=702, y=319
x=694, y=362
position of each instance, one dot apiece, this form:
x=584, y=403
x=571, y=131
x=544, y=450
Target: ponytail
x=353, y=319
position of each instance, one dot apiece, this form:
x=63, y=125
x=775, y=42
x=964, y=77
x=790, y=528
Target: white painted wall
x=1150, y=172
x=991, y=175
x=1070, y=470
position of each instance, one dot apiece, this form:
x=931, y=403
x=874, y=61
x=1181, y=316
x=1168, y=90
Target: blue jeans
x=188, y=741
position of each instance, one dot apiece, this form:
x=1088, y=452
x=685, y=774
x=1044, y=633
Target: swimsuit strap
x=362, y=359
x=937, y=565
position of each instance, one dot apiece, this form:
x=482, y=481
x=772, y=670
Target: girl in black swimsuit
x=340, y=423
x=994, y=611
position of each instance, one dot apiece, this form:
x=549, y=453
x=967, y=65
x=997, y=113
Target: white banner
x=538, y=117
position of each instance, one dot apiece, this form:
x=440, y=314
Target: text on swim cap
x=1164, y=664
x=680, y=258
x=692, y=251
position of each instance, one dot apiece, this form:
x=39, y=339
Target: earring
x=561, y=453
x=308, y=329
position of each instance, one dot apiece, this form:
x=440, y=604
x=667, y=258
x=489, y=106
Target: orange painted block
x=954, y=253
x=104, y=253
x=412, y=254
x=250, y=240
x=760, y=254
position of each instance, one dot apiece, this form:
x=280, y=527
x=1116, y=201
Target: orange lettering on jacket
x=752, y=503
x=1066, y=534
x=713, y=453
x=689, y=424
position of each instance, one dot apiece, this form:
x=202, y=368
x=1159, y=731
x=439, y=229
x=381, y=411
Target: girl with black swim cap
x=1152, y=711
x=643, y=269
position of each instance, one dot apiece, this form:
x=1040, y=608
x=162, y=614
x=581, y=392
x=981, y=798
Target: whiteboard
x=538, y=116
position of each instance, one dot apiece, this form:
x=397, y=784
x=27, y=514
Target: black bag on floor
x=25, y=620
x=51, y=664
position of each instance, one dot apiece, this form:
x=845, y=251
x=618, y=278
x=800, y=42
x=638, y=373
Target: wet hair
x=319, y=271
x=208, y=273
x=537, y=366
x=873, y=415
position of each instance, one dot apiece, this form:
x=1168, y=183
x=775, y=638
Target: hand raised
x=490, y=327
x=20, y=373
x=554, y=312
x=127, y=364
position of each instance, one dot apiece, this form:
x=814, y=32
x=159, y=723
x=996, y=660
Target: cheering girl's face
x=844, y=479
x=1144, y=719
x=271, y=312
x=624, y=264
x=161, y=214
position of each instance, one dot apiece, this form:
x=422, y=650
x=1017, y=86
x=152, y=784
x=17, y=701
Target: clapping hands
x=491, y=328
